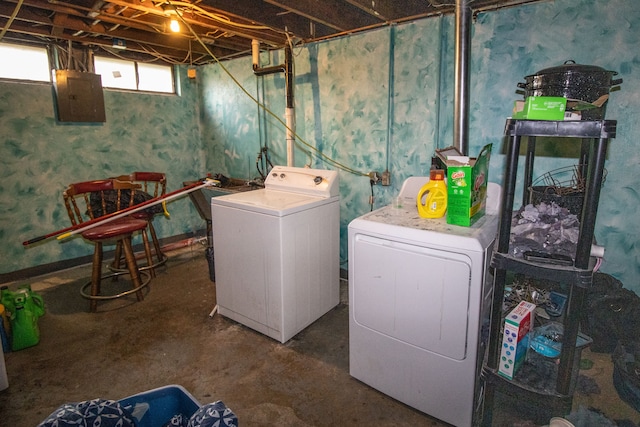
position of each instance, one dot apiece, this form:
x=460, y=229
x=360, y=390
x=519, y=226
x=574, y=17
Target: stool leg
x=116, y=259
x=156, y=243
x=147, y=252
x=96, y=275
x=132, y=266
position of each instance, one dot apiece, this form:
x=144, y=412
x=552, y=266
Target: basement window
x=132, y=75
x=24, y=63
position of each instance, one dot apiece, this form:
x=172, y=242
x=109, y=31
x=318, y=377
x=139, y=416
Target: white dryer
x=277, y=251
x=419, y=300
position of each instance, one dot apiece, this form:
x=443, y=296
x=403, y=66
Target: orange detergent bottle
x=432, y=197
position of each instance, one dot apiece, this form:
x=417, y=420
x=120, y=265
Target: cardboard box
x=467, y=180
x=540, y=108
x=515, y=339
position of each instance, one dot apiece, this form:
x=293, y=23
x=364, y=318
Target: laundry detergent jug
x=432, y=197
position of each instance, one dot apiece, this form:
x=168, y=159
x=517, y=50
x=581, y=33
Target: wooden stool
x=91, y=200
x=152, y=184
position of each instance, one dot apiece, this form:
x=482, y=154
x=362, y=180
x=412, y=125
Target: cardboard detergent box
x=540, y=108
x=515, y=339
x=467, y=180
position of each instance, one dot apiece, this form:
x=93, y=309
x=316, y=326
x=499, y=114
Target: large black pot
x=573, y=81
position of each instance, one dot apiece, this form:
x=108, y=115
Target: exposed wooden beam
x=238, y=26
x=391, y=10
x=226, y=25
x=271, y=15
x=173, y=54
x=335, y=14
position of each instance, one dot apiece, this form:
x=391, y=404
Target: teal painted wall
x=343, y=88
x=348, y=105
x=39, y=157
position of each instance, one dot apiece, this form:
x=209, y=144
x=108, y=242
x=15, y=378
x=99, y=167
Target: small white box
x=515, y=340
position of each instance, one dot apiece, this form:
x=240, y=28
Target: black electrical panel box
x=79, y=96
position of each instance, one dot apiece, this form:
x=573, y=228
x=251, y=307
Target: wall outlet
x=386, y=178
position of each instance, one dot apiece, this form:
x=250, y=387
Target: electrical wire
x=197, y=10
x=259, y=158
x=371, y=199
x=64, y=58
x=258, y=161
x=598, y=264
x=319, y=154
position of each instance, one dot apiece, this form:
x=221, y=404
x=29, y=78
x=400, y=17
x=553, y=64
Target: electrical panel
x=79, y=96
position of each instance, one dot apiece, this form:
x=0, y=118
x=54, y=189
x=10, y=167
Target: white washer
x=419, y=306
x=277, y=251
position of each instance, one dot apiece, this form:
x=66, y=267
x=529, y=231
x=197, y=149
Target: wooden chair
x=153, y=184
x=93, y=199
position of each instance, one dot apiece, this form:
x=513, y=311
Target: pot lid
x=571, y=66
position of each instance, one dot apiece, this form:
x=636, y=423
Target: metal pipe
x=441, y=54
x=461, y=91
x=390, y=95
x=263, y=71
x=290, y=112
x=287, y=69
x=288, y=75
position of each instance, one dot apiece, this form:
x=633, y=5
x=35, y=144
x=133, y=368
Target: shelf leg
x=595, y=175
x=528, y=170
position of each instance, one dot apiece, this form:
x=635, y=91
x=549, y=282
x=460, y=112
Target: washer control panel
x=314, y=182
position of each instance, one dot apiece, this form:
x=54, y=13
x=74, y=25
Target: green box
x=540, y=108
x=467, y=187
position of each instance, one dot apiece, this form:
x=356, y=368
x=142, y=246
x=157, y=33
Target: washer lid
x=271, y=202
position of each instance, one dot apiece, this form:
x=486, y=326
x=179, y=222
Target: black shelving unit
x=594, y=136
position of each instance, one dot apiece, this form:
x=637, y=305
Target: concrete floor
x=169, y=338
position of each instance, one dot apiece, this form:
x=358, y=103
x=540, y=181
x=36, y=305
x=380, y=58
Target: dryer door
x=411, y=293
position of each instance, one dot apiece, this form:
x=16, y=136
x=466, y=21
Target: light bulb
x=174, y=26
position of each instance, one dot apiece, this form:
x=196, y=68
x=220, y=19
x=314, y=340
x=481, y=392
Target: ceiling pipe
x=287, y=69
x=461, y=91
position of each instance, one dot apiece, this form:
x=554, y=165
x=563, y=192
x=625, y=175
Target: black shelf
x=605, y=129
x=533, y=401
x=561, y=274
x=547, y=391
x=594, y=136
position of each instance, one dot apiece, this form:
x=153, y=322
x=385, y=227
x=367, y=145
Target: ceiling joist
x=225, y=27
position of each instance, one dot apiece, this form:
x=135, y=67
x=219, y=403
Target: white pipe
x=597, y=251
x=287, y=68
x=289, y=115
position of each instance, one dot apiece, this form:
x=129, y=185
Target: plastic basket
x=543, y=370
x=156, y=407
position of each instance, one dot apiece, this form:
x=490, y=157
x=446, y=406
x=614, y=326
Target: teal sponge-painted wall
x=39, y=157
x=377, y=100
x=384, y=99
